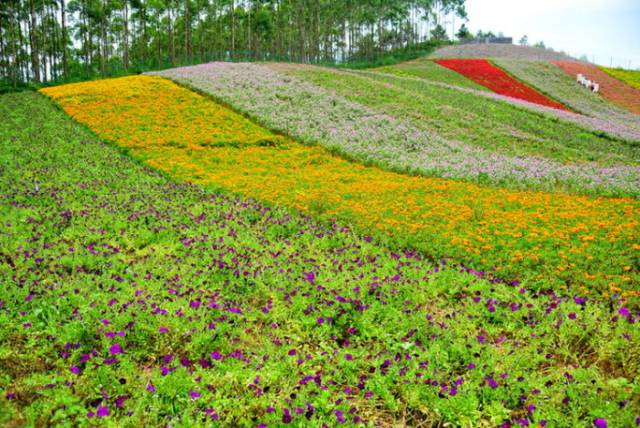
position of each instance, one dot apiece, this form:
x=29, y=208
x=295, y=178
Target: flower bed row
x=574, y=240
x=553, y=80
x=129, y=300
x=612, y=89
x=315, y=115
x=483, y=72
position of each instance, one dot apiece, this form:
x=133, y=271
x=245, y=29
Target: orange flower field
x=584, y=242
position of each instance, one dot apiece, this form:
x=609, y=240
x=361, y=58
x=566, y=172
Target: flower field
x=587, y=243
x=432, y=71
x=550, y=79
x=612, y=89
x=490, y=76
x=361, y=118
x=130, y=300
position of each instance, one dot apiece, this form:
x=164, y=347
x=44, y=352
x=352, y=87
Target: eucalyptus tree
x=51, y=39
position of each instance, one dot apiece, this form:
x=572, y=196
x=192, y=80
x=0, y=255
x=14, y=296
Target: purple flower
x=151, y=388
x=340, y=416
x=74, y=369
x=600, y=423
x=292, y=352
x=216, y=355
x=194, y=394
x=348, y=357
x=310, y=277
x=163, y=330
x=115, y=349
x=624, y=311
x=580, y=300
x=120, y=401
x=102, y=412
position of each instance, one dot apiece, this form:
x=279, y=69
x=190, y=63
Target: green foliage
x=439, y=33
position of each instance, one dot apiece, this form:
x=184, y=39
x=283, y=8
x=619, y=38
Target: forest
x=66, y=40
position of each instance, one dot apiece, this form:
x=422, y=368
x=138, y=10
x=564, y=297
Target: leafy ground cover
x=630, y=77
x=129, y=300
x=580, y=241
x=612, y=89
x=371, y=124
x=430, y=70
x=483, y=72
x=550, y=79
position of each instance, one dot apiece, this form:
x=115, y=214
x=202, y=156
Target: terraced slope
x=499, y=51
x=614, y=90
x=129, y=300
x=630, y=77
x=559, y=238
x=550, y=79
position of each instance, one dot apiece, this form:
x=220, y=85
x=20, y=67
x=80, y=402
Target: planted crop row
x=357, y=128
x=550, y=79
x=569, y=240
x=490, y=76
x=612, y=89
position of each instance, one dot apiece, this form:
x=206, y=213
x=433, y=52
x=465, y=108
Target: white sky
x=600, y=29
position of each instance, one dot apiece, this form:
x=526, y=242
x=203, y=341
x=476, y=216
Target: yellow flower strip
x=590, y=243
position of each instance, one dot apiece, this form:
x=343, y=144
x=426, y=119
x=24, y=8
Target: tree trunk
x=125, y=50
x=35, y=61
x=172, y=41
x=233, y=29
x=103, y=42
x=187, y=30
x=65, y=64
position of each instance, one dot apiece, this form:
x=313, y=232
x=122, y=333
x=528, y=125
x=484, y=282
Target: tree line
x=61, y=40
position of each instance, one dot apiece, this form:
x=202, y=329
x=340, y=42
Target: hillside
x=432, y=243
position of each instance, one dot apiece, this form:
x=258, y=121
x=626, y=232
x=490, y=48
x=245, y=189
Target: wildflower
x=600, y=423
x=102, y=412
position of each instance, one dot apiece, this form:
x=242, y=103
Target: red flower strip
x=488, y=75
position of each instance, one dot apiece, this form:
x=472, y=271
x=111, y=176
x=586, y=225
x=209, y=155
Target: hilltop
x=493, y=50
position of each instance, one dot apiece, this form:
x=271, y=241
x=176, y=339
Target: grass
x=473, y=119
x=129, y=300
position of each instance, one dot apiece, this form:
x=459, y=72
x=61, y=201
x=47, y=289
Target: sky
x=601, y=29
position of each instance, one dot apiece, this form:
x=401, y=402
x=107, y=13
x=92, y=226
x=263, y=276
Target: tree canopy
x=45, y=40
